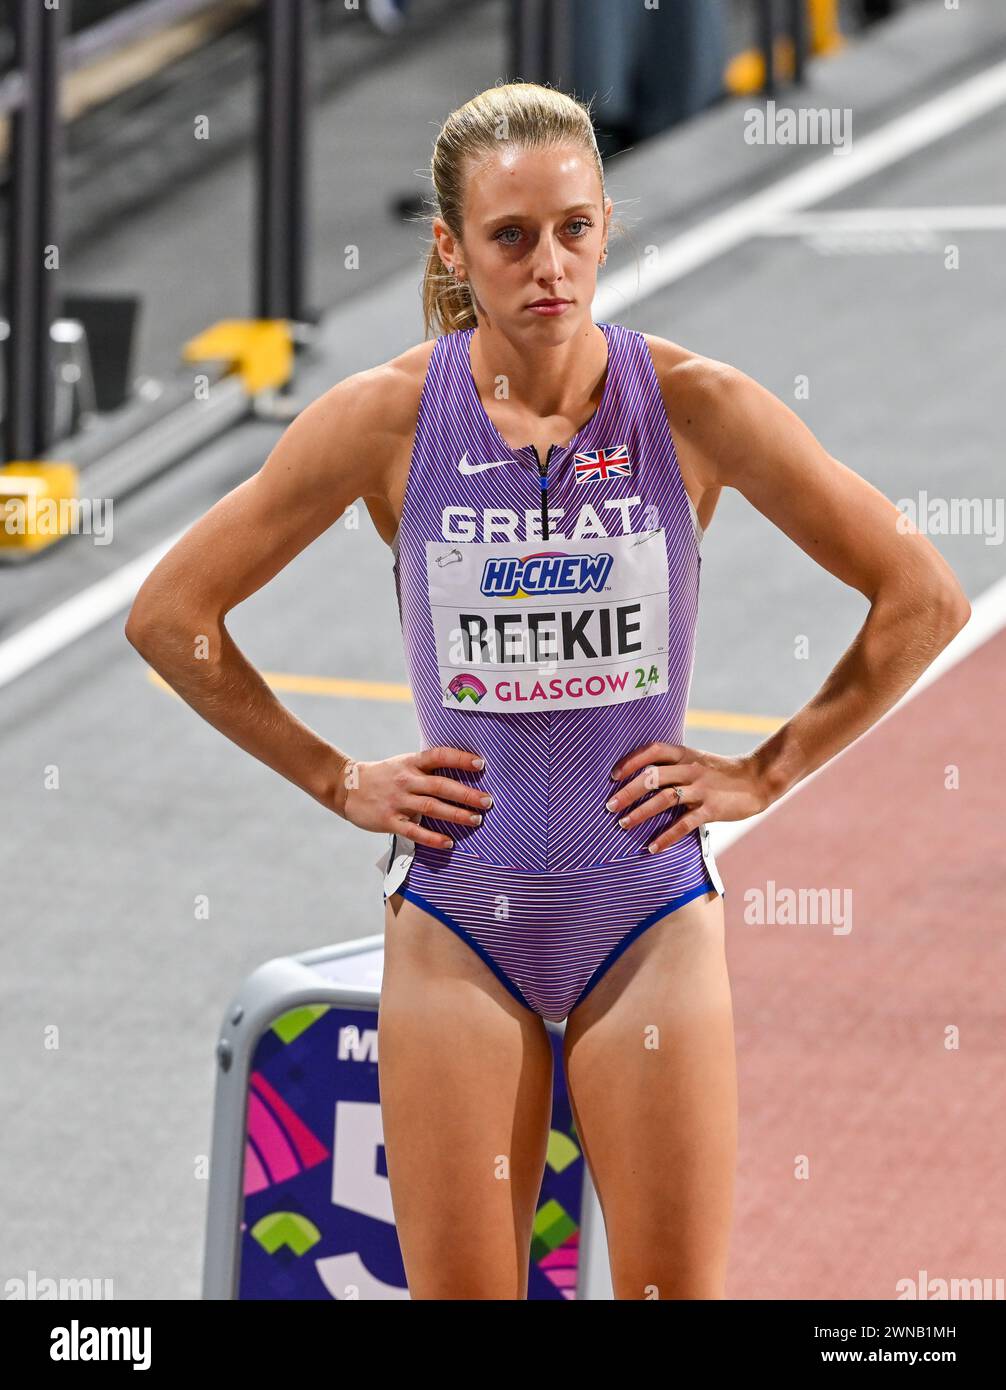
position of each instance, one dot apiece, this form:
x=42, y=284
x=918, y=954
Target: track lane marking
x=904, y=135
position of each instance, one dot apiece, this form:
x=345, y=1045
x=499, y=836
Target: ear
x=447, y=243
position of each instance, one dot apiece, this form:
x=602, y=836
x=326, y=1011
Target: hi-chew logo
x=545, y=572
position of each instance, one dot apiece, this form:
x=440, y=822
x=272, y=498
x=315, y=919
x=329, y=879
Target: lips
x=547, y=303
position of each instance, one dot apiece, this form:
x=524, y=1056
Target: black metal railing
x=30, y=94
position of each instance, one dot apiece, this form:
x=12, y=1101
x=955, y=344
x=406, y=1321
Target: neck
x=545, y=380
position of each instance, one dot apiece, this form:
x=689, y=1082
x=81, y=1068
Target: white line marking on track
x=826, y=176
x=976, y=219
x=78, y=615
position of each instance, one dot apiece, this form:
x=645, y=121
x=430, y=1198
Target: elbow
x=937, y=611
x=955, y=610
x=145, y=618
x=958, y=606
x=154, y=627
x=136, y=628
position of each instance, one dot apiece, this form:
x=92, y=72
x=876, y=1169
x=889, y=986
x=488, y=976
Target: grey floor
x=112, y=988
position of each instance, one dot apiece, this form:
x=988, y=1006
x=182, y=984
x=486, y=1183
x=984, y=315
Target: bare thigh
x=651, y=1071
x=465, y=1075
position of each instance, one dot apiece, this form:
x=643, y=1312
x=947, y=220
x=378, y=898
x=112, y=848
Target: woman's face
x=534, y=228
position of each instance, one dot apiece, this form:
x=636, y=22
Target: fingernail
x=487, y=800
x=624, y=822
x=611, y=804
x=475, y=818
x=480, y=763
x=614, y=774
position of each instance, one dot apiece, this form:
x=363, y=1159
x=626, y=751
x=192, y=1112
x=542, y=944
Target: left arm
x=731, y=432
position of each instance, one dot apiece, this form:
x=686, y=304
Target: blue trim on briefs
x=469, y=940
x=638, y=930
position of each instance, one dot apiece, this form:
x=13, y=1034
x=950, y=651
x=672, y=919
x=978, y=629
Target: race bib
x=538, y=625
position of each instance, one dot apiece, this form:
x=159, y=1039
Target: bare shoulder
x=683, y=369
x=376, y=409
x=693, y=389
x=345, y=444
x=389, y=393
x=736, y=433
x=353, y=441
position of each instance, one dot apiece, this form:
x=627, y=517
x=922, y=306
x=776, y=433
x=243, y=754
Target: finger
x=652, y=752
x=433, y=809
x=450, y=790
x=664, y=800
x=676, y=832
x=429, y=758
x=669, y=775
x=412, y=830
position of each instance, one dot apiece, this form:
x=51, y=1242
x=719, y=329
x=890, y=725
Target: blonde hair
x=524, y=114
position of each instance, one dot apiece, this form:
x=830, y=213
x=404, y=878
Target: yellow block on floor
x=259, y=350
x=38, y=504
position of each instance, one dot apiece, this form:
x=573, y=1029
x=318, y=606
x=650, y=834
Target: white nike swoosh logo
x=465, y=467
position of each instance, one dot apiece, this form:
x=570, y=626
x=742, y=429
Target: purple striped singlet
x=553, y=654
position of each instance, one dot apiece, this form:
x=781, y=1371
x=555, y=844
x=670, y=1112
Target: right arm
x=339, y=448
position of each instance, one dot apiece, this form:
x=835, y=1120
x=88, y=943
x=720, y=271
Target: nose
x=548, y=268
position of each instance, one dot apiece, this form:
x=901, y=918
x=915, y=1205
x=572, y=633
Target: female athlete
x=545, y=482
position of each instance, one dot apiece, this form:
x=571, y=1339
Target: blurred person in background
x=649, y=68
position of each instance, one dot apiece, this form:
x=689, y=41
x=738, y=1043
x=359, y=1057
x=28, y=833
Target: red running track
x=842, y=1038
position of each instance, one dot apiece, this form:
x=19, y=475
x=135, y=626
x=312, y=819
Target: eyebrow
x=517, y=216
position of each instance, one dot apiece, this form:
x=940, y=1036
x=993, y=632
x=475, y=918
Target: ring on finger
x=678, y=793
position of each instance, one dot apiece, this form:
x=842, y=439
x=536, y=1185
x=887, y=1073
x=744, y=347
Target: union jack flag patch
x=595, y=465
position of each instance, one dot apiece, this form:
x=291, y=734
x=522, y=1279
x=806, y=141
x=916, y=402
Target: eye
x=498, y=236
x=587, y=221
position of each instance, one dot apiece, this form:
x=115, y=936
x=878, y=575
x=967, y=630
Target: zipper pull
x=543, y=472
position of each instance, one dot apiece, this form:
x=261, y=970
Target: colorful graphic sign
x=318, y=1220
